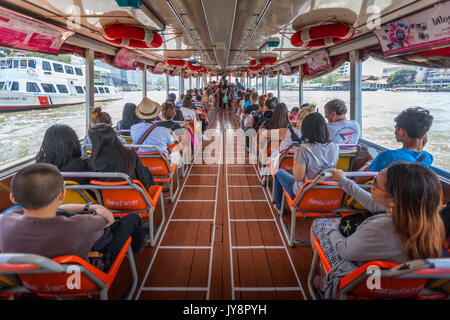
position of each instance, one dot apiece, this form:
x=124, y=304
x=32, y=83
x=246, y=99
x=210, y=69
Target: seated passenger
x=167, y=117
x=109, y=155
x=129, y=118
x=311, y=157
x=292, y=135
x=61, y=147
x=411, y=130
x=49, y=228
x=97, y=116
x=405, y=226
x=149, y=133
x=342, y=131
x=178, y=114
x=278, y=124
x=293, y=113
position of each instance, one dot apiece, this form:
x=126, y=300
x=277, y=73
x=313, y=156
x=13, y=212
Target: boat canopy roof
x=221, y=36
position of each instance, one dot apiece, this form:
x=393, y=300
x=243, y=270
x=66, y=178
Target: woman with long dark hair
x=315, y=154
x=405, y=226
x=61, y=147
x=109, y=155
x=129, y=117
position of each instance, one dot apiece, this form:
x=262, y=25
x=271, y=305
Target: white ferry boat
x=34, y=83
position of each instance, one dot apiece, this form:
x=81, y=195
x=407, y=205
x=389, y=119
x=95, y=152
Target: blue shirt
x=246, y=104
x=160, y=137
x=385, y=158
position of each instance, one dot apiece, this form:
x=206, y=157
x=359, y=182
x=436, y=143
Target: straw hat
x=148, y=109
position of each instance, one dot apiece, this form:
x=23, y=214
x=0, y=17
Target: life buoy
x=131, y=36
x=256, y=68
x=322, y=35
x=176, y=63
x=263, y=61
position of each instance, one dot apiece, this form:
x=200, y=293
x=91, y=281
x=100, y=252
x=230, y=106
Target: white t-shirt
x=344, y=132
x=188, y=114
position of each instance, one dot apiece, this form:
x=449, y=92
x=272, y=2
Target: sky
x=374, y=67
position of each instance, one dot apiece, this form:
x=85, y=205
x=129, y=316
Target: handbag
x=349, y=223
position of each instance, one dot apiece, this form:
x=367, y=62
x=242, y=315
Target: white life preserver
x=322, y=35
x=131, y=36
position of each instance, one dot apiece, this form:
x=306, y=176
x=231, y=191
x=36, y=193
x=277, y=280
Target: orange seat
x=396, y=281
x=286, y=162
x=130, y=196
x=57, y=277
x=162, y=170
x=315, y=199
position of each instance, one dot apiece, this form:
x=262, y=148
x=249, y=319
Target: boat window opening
x=23, y=64
x=69, y=69
x=106, y=90
x=16, y=64
x=79, y=89
x=62, y=88
x=9, y=64
x=78, y=71
x=101, y=89
x=95, y=90
x=2, y=83
x=14, y=86
x=33, y=87
x=46, y=66
x=48, y=87
x=58, y=68
x=32, y=64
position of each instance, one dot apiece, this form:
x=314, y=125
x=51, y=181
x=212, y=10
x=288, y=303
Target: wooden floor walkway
x=222, y=239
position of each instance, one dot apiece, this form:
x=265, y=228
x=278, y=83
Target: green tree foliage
x=330, y=79
x=161, y=82
x=402, y=76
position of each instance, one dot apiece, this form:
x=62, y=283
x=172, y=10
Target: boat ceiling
x=220, y=34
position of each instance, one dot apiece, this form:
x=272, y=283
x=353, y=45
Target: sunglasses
x=374, y=185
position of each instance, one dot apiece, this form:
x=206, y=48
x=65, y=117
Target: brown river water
x=21, y=133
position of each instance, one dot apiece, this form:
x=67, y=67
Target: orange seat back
x=320, y=199
x=389, y=288
x=156, y=164
x=122, y=199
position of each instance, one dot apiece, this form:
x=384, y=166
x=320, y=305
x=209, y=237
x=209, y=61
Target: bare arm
x=98, y=209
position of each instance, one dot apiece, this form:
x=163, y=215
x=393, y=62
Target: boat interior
x=215, y=233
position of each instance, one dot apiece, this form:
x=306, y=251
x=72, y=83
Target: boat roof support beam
x=300, y=86
x=167, y=84
x=89, y=73
x=278, y=88
x=355, y=87
x=144, y=81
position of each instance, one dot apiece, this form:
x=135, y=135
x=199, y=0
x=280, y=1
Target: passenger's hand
x=102, y=211
x=336, y=174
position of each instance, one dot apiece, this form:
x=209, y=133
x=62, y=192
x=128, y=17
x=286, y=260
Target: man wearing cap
x=160, y=137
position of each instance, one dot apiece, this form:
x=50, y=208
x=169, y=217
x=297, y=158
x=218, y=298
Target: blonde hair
x=417, y=194
x=301, y=115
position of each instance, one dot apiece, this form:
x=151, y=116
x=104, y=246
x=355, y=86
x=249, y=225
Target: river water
x=21, y=133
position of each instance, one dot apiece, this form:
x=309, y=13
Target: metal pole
x=264, y=84
x=300, y=86
x=89, y=72
x=180, y=84
x=355, y=87
x=167, y=84
x=144, y=81
x=190, y=83
x=278, y=88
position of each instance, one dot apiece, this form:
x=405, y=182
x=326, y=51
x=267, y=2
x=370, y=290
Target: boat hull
x=11, y=103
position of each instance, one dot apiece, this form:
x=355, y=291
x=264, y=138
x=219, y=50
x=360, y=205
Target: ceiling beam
x=231, y=32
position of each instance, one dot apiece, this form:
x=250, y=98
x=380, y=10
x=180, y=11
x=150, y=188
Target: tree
x=330, y=79
x=402, y=76
x=272, y=84
x=161, y=82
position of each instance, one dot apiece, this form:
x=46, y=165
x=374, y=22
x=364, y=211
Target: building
x=344, y=70
x=439, y=77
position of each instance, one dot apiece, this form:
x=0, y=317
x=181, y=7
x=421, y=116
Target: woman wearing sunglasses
x=407, y=226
